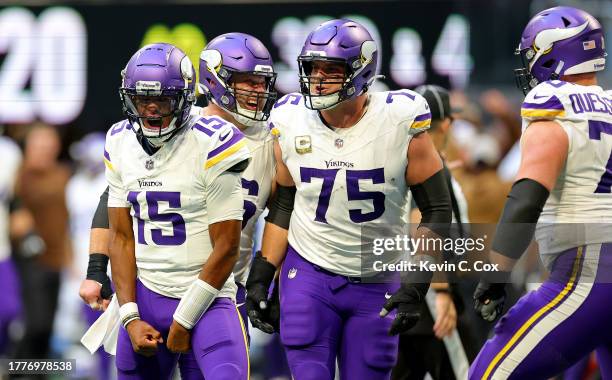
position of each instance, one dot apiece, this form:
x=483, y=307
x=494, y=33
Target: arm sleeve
x=433, y=199
x=517, y=224
x=224, y=199
x=100, y=219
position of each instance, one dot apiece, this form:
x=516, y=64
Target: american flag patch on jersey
x=588, y=45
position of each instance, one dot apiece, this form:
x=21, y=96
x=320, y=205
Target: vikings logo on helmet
x=341, y=41
x=559, y=41
x=233, y=53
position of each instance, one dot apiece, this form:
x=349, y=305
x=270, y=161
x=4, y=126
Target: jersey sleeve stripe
x=109, y=164
x=218, y=150
x=273, y=130
x=420, y=124
x=423, y=117
x=228, y=152
x=106, y=155
x=551, y=104
x=542, y=113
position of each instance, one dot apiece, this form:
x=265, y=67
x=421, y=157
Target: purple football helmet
x=559, y=41
x=160, y=71
x=341, y=41
x=220, y=61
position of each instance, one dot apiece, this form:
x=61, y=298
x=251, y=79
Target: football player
x=237, y=77
x=175, y=210
x=346, y=159
x=564, y=182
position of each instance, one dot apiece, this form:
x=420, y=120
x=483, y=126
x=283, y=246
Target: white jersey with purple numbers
x=167, y=196
x=350, y=181
x=257, y=185
x=11, y=160
x=582, y=193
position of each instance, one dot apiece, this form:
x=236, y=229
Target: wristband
x=194, y=303
x=128, y=312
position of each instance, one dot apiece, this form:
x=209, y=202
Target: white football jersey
x=582, y=191
x=167, y=196
x=350, y=182
x=257, y=185
x=11, y=160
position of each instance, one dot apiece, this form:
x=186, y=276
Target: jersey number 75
x=352, y=191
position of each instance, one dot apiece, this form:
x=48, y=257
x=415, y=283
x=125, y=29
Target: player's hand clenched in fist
x=144, y=337
x=179, y=338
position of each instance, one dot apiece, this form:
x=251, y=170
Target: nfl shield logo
x=292, y=273
x=149, y=165
x=339, y=143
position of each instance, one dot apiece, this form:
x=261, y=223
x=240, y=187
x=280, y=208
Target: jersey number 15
x=153, y=198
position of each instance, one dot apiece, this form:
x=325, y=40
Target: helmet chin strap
x=245, y=120
x=158, y=141
x=324, y=102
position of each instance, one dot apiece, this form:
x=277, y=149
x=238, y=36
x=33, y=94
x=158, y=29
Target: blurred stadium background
x=60, y=66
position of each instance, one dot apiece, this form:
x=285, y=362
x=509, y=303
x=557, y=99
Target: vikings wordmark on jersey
x=168, y=201
x=349, y=179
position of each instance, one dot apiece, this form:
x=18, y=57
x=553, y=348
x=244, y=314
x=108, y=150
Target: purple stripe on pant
x=551, y=328
x=241, y=304
x=324, y=317
x=218, y=343
x=10, y=308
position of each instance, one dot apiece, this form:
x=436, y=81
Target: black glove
x=408, y=301
x=257, y=287
x=96, y=271
x=489, y=300
x=274, y=308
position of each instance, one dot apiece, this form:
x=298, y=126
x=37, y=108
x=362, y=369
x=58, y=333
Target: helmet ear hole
x=566, y=22
x=548, y=64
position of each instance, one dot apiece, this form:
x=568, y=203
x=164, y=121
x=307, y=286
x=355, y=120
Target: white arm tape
x=194, y=303
x=128, y=312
